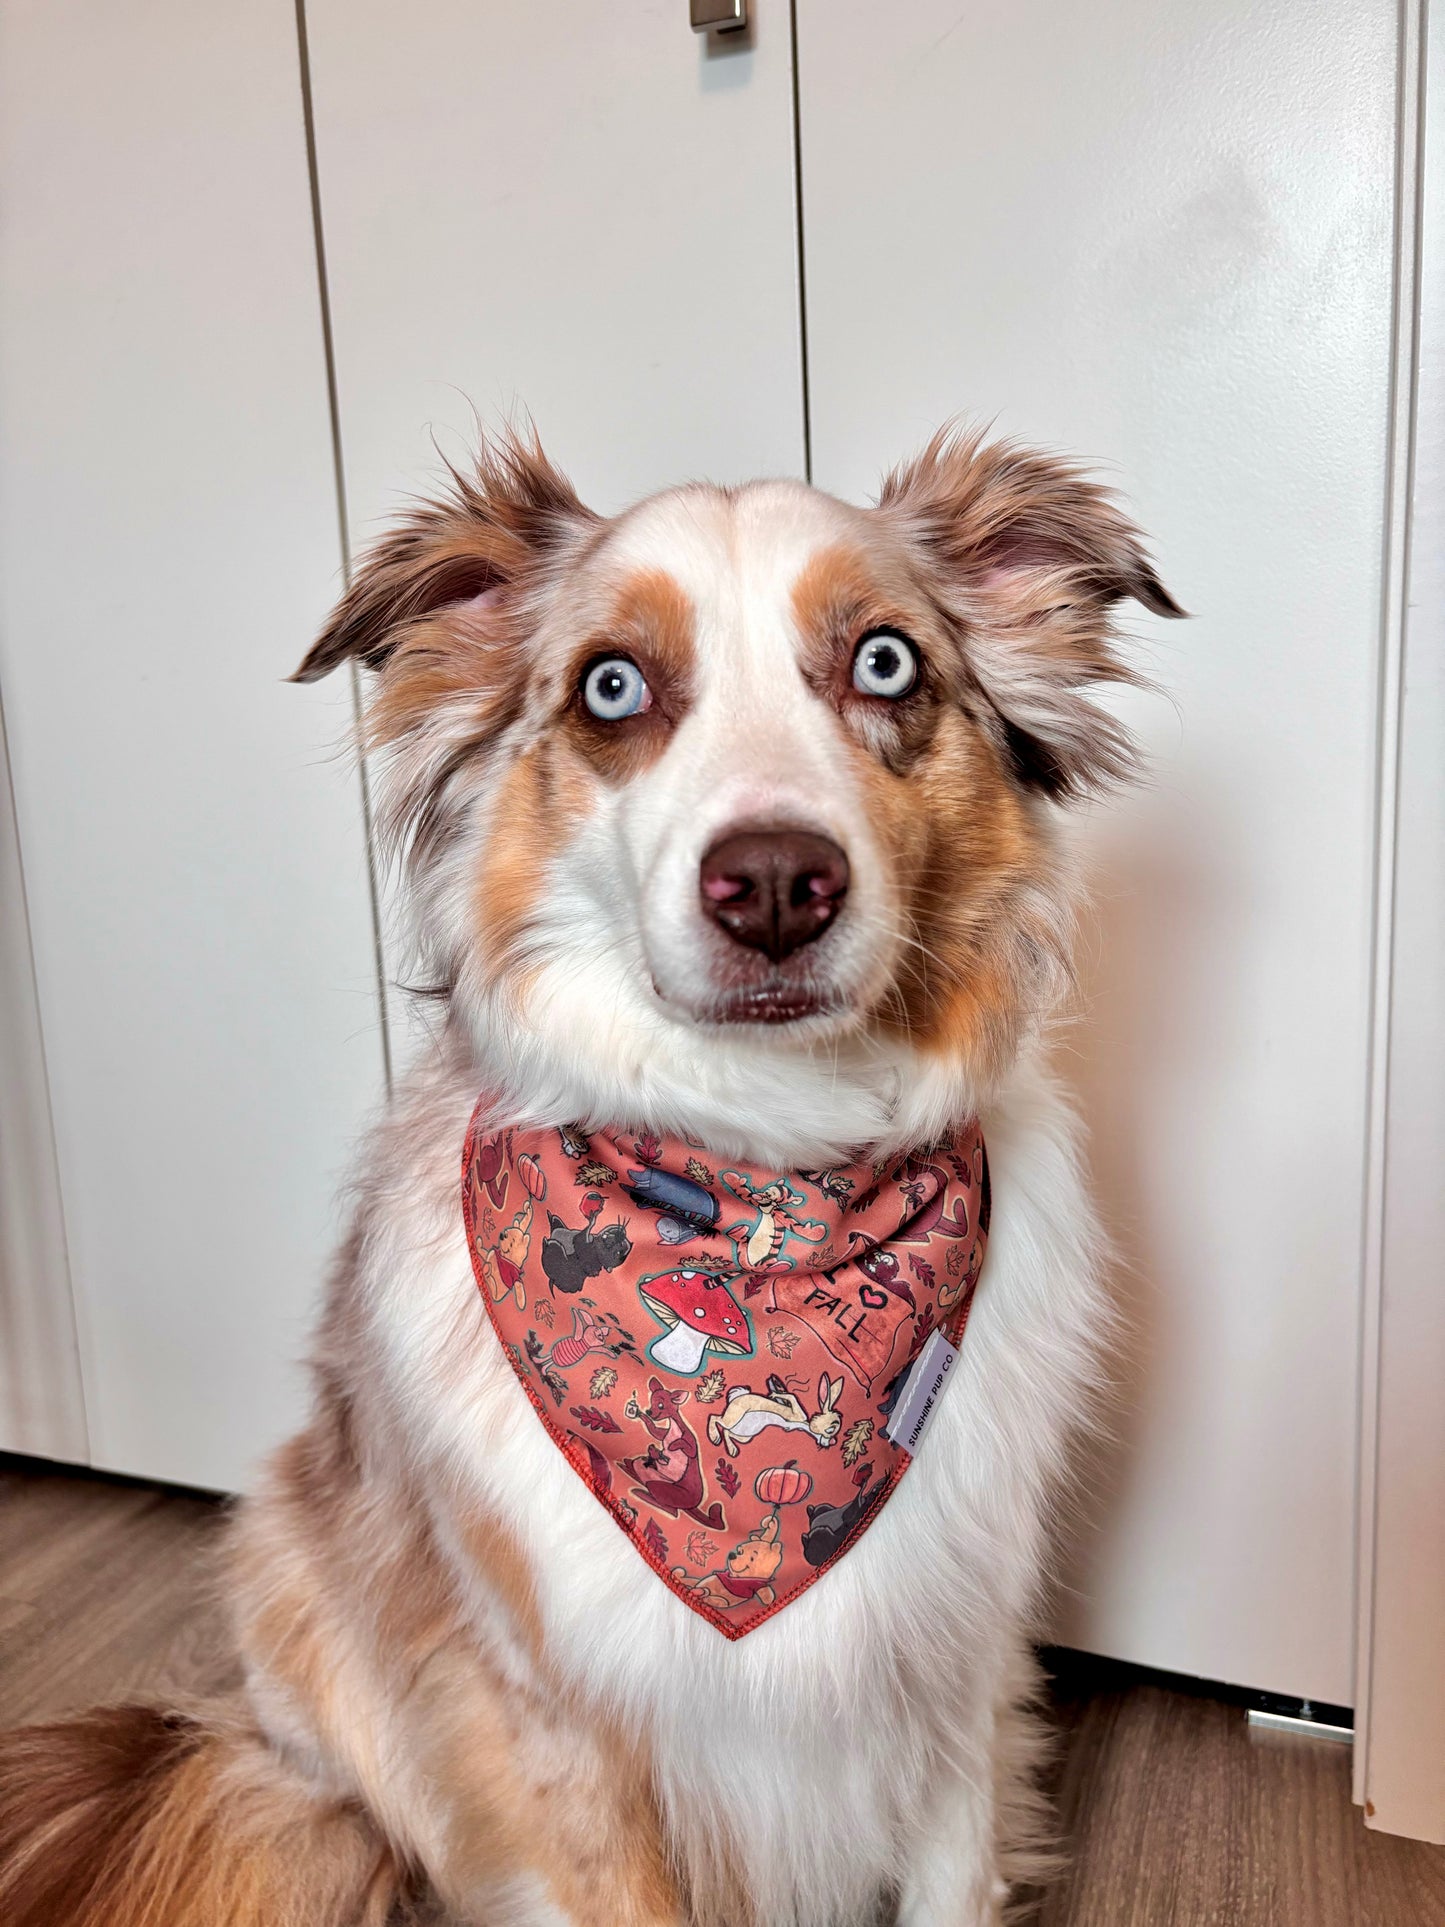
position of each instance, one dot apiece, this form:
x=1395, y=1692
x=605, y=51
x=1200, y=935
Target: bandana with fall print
x=717, y=1352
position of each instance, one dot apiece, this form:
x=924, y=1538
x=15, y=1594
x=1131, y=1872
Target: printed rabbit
x=747, y=1413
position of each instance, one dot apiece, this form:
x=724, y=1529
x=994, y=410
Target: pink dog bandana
x=737, y=1362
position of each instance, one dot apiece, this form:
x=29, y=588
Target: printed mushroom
x=701, y=1316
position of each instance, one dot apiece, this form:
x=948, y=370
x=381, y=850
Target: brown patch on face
x=544, y=797
x=973, y=871
x=837, y=599
x=651, y=622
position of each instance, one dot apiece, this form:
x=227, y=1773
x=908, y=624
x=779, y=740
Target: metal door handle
x=718, y=16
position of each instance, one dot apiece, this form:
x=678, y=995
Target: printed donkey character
x=759, y=1246
x=571, y=1256
x=831, y=1526
x=747, y=1574
x=747, y=1413
x=674, y=1451
x=687, y=1209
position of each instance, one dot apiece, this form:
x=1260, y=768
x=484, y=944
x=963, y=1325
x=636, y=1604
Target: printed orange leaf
x=782, y=1342
x=545, y=1314
x=700, y=1550
x=855, y=1440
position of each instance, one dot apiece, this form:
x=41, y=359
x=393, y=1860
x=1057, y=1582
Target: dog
x=732, y=816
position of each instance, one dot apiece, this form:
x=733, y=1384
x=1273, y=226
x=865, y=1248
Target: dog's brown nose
x=774, y=890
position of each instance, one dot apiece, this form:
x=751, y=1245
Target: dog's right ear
x=489, y=532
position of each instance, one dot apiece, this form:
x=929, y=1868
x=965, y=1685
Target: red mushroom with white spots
x=701, y=1316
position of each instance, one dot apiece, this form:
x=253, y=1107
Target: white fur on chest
x=813, y=1739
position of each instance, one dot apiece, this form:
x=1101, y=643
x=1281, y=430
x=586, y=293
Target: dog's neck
x=742, y=1095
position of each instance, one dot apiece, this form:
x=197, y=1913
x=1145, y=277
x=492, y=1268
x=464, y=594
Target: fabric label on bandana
x=738, y=1362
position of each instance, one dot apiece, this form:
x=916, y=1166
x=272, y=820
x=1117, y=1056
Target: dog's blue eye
x=885, y=664
x=614, y=688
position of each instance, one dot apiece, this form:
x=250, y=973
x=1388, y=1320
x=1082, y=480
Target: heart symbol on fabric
x=872, y=1297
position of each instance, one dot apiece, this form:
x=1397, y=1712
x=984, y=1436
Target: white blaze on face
x=757, y=749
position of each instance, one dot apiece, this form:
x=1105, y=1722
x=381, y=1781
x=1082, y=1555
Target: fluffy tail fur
x=131, y=1817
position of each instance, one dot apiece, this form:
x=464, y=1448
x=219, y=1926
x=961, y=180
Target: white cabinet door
x=1161, y=238
x=194, y=860
x=583, y=211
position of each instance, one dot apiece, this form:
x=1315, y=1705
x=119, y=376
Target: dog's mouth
x=774, y=1000
x=775, y=1003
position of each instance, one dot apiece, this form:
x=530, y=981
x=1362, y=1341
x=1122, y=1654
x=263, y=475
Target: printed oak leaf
x=782, y=1342
x=594, y=1420
x=593, y=1173
x=922, y=1270
x=700, y=1550
x=727, y=1478
x=855, y=1439
x=698, y=1171
x=652, y=1538
x=603, y=1380
x=648, y=1148
x=710, y=1389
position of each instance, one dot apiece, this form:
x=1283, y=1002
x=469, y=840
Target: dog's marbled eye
x=615, y=688
x=885, y=664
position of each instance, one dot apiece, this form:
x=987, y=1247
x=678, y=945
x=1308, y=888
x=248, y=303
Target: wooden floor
x=1175, y=1813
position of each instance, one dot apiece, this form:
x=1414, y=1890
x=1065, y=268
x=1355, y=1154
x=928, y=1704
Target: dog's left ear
x=1032, y=557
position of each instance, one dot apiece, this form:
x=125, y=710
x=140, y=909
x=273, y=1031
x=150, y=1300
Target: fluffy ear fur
x=485, y=535
x=1033, y=557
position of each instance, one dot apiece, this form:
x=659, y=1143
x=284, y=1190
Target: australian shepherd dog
x=733, y=815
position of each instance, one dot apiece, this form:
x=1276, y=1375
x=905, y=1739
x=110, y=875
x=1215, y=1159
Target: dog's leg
x=527, y=1810
x=953, y=1879
x=445, y=1725
x=985, y=1824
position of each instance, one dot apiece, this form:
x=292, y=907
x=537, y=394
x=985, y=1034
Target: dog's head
x=742, y=772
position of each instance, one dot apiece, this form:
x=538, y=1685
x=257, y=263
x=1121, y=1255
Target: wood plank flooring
x=1174, y=1812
